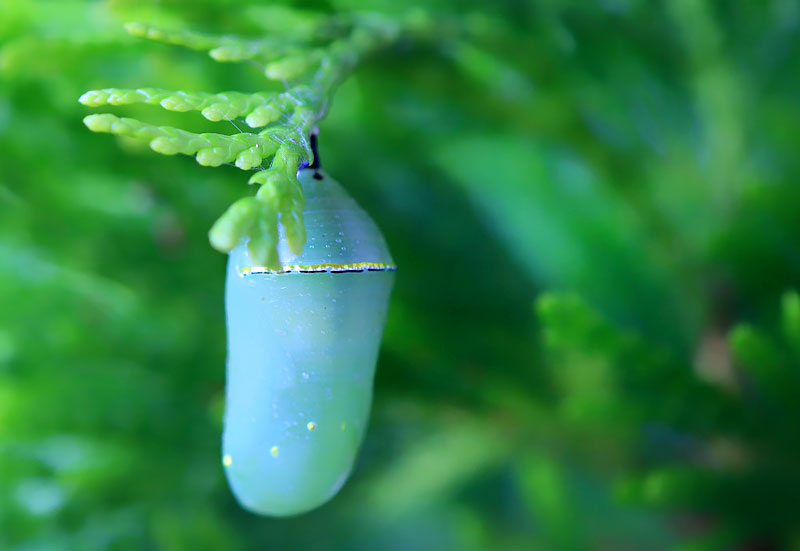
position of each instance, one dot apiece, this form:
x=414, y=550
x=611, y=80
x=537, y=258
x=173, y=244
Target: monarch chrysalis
x=302, y=347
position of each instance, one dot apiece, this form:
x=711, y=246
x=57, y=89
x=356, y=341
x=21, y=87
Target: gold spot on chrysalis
x=344, y=426
x=274, y=451
x=311, y=425
x=227, y=461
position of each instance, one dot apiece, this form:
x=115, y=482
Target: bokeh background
x=593, y=340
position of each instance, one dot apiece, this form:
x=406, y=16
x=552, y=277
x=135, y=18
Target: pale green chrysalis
x=302, y=348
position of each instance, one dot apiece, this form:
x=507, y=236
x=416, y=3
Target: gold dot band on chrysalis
x=314, y=268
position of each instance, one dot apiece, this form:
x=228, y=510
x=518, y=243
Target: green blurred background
x=593, y=341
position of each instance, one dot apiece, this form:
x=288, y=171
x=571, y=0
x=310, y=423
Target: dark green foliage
x=725, y=449
x=627, y=167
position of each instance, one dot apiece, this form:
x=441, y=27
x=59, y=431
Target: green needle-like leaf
x=210, y=149
x=221, y=48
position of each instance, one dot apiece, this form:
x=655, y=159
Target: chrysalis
x=302, y=347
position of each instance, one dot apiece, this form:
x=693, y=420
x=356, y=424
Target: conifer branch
x=315, y=60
